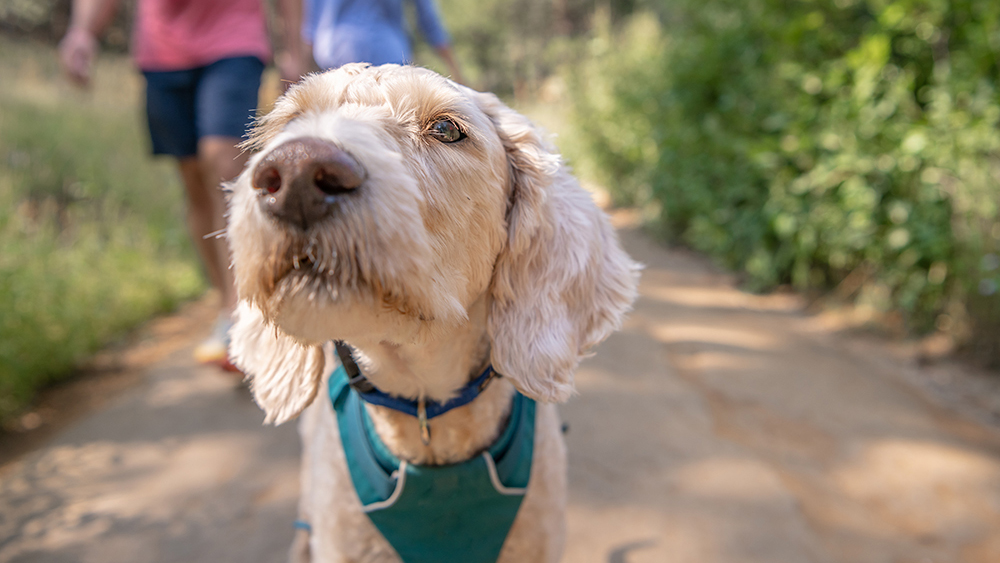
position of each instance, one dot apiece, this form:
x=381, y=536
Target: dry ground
x=716, y=427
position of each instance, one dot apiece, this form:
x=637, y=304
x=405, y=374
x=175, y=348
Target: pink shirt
x=184, y=34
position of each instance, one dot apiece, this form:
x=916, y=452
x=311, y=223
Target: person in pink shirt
x=202, y=60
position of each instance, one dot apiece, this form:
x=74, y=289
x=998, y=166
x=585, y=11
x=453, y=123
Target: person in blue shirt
x=371, y=31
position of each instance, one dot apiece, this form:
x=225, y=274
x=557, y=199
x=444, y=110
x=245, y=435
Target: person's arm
x=310, y=22
x=435, y=34
x=291, y=61
x=79, y=46
x=445, y=52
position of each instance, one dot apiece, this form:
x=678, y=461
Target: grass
x=92, y=235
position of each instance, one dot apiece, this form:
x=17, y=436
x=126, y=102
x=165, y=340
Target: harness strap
x=456, y=513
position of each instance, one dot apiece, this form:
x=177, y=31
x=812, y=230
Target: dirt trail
x=716, y=427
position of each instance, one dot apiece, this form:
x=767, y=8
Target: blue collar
x=433, y=408
x=422, y=409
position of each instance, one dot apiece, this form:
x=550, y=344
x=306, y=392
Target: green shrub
x=92, y=236
x=511, y=47
x=812, y=142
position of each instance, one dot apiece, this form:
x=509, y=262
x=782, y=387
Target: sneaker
x=215, y=348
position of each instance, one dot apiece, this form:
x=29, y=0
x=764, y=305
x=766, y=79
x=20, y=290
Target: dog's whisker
x=221, y=233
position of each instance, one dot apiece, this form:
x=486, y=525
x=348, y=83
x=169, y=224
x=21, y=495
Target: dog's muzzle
x=300, y=181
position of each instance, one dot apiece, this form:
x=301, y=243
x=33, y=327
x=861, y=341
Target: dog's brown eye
x=446, y=131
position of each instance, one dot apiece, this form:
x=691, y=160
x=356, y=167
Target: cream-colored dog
x=429, y=227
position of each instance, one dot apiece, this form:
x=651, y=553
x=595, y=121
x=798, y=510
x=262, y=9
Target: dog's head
x=383, y=202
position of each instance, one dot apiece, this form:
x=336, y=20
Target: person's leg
x=171, y=104
x=206, y=221
x=225, y=104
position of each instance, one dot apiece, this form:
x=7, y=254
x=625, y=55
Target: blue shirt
x=366, y=31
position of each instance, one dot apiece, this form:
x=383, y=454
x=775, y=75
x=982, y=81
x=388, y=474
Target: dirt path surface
x=716, y=427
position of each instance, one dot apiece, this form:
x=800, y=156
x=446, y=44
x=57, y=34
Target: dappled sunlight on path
x=720, y=426
x=177, y=469
x=716, y=427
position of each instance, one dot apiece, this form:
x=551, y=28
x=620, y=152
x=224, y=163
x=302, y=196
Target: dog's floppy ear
x=285, y=374
x=562, y=283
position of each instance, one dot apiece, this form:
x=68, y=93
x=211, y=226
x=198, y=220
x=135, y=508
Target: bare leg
x=204, y=218
x=218, y=160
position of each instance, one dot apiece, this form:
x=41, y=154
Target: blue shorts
x=219, y=99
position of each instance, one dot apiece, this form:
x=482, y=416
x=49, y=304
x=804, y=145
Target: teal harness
x=458, y=513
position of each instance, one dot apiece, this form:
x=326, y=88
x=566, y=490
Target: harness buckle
x=425, y=428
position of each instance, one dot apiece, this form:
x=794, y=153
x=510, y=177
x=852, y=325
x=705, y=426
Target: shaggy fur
x=447, y=257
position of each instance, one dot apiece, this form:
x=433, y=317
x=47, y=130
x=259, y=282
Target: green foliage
x=811, y=142
x=92, y=237
x=616, y=94
x=510, y=47
x=47, y=20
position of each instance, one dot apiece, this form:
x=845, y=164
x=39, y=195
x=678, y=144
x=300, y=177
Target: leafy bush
x=510, y=47
x=815, y=143
x=92, y=237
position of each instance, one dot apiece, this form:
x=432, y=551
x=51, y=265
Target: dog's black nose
x=298, y=182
